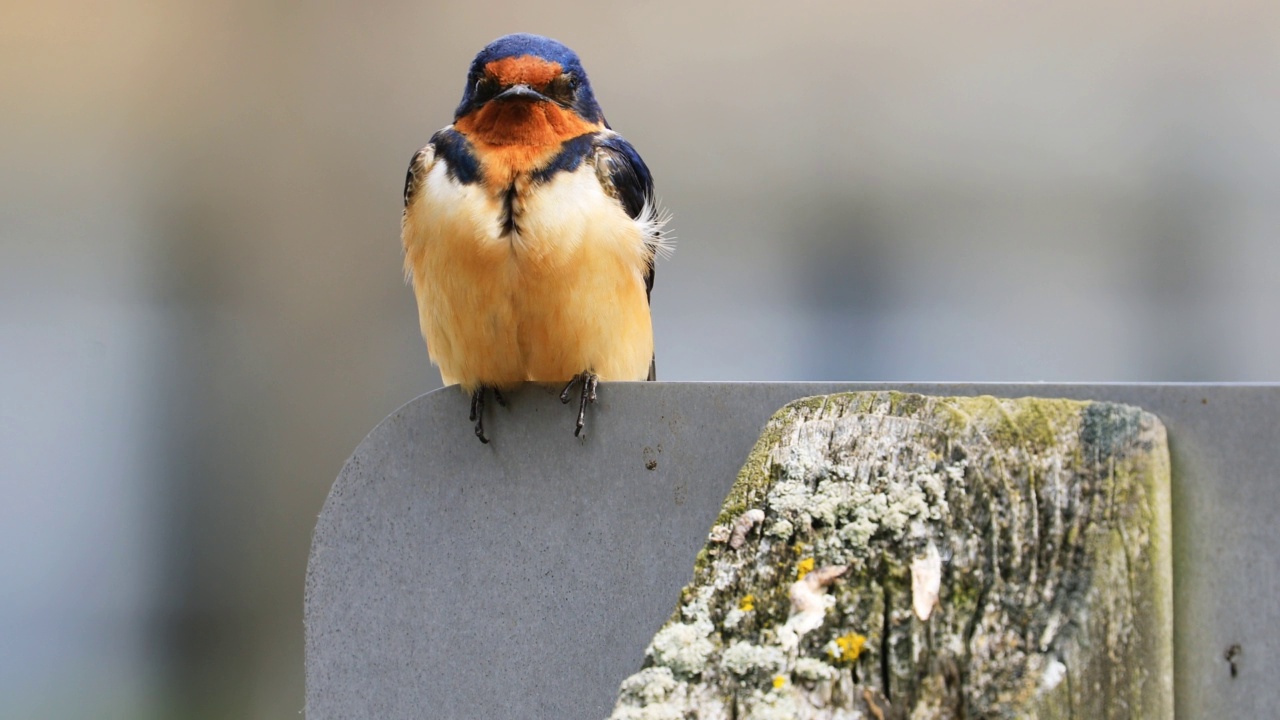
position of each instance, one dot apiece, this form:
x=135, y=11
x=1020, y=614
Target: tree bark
x=885, y=555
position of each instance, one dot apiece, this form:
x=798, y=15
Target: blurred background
x=202, y=310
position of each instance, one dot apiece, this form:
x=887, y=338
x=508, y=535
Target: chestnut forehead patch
x=526, y=70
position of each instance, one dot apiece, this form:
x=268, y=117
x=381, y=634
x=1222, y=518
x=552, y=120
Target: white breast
x=562, y=293
x=556, y=219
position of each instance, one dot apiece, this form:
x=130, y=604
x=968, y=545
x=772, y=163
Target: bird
x=530, y=232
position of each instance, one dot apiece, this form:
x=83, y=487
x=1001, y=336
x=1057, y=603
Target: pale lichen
x=733, y=617
x=683, y=647
x=743, y=658
x=773, y=704
x=813, y=669
x=651, y=685
x=781, y=529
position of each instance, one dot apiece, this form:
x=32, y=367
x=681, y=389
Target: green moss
x=702, y=562
x=901, y=403
x=813, y=403
x=1035, y=423
x=964, y=594
x=754, y=477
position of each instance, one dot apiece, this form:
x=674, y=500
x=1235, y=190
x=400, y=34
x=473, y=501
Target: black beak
x=520, y=92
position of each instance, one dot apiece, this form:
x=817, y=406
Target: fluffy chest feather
x=534, y=225
x=539, y=280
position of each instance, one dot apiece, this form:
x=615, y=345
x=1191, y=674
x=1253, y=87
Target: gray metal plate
x=450, y=579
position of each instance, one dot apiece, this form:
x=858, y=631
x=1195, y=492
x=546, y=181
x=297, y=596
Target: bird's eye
x=486, y=87
x=561, y=88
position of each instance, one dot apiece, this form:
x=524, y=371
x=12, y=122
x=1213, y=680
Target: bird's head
x=527, y=90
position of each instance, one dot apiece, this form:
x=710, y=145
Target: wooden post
x=889, y=555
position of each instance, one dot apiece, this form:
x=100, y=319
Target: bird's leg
x=589, y=381
x=477, y=408
x=477, y=412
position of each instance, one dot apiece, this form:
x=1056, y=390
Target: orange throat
x=519, y=136
x=522, y=123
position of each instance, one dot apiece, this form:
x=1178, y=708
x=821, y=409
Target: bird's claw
x=589, y=381
x=477, y=413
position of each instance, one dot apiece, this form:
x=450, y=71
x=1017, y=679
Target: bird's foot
x=477, y=408
x=589, y=381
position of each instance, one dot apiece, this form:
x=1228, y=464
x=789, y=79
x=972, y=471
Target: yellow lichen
x=779, y=681
x=747, y=603
x=848, y=648
x=804, y=567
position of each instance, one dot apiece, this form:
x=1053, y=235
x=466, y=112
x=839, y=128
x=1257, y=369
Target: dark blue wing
x=411, y=180
x=455, y=150
x=633, y=186
x=631, y=182
x=629, y=174
x=572, y=153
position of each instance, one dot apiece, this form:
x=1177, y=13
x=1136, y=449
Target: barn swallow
x=530, y=231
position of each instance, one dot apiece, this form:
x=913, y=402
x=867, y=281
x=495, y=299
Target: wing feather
x=418, y=168
x=625, y=176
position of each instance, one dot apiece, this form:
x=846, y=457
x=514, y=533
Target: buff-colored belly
x=562, y=295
